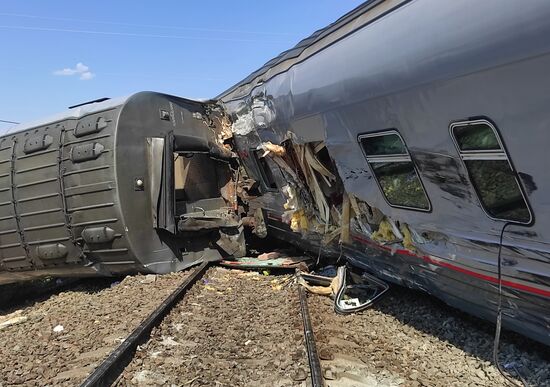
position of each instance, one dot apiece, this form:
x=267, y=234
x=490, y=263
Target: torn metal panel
x=233, y=242
x=257, y=223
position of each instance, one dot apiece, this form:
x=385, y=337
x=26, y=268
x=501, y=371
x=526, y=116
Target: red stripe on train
x=435, y=261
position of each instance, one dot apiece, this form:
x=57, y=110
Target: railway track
x=228, y=327
x=111, y=370
x=316, y=370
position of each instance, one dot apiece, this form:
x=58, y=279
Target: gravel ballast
x=60, y=340
x=233, y=328
x=412, y=339
x=236, y=328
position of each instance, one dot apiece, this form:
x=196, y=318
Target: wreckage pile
x=317, y=204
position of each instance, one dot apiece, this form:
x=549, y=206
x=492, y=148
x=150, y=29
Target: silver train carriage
x=416, y=133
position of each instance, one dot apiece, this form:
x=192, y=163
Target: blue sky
x=60, y=53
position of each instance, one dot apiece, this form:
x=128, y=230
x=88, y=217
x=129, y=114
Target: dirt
x=58, y=341
x=234, y=328
x=411, y=339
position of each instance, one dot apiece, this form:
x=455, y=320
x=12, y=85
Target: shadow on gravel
x=26, y=294
x=471, y=334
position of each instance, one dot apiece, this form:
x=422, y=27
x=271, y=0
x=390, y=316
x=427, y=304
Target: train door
x=195, y=199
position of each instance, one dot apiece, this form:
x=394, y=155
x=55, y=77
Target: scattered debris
x=351, y=292
x=58, y=329
x=299, y=375
x=270, y=255
x=62, y=358
x=330, y=374
x=168, y=341
x=268, y=147
x=243, y=338
x=324, y=286
x=276, y=263
x=149, y=378
x=327, y=271
x=12, y=319
x=148, y=279
x=357, y=292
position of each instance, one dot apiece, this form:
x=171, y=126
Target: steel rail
x=317, y=379
x=111, y=368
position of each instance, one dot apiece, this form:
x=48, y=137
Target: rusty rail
x=317, y=379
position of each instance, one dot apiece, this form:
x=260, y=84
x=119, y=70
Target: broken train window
x=490, y=171
x=394, y=170
x=266, y=174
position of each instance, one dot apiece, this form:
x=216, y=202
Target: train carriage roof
x=72, y=113
x=367, y=12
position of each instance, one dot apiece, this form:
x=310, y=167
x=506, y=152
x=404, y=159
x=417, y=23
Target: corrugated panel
x=90, y=189
x=38, y=205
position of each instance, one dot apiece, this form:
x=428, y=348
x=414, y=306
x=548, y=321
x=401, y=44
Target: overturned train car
x=411, y=137
x=116, y=186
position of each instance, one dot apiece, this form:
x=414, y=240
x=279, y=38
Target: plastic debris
x=351, y=292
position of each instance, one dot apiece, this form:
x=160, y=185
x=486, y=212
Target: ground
x=237, y=328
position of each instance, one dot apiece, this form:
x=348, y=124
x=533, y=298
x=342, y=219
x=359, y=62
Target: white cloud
x=85, y=76
x=80, y=69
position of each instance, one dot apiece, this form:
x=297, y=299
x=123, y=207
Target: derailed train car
x=411, y=137
x=117, y=186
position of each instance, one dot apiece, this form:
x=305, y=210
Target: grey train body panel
x=417, y=67
x=69, y=202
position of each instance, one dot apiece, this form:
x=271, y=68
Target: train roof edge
x=322, y=38
x=86, y=108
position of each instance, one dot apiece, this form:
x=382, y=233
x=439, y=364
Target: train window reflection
x=394, y=170
x=490, y=171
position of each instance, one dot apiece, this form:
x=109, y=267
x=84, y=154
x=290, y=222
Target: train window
x=394, y=170
x=268, y=180
x=490, y=171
